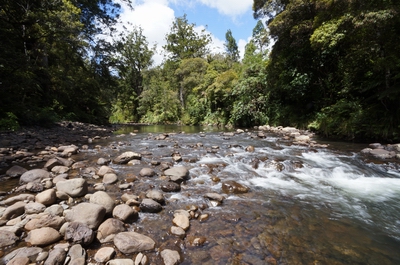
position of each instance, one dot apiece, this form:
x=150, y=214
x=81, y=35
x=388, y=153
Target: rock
x=59, y=178
x=110, y=178
x=68, y=150
x=382, y=154
x=16, y=171
x=34, y=175
x=125, y=213
x=47, y=197
x=250, y=149
x=34, y=207
x=34, y=187
x=60, y=169
x=126, y=197
x=197, y=241
x=231, y=186
x=132, y=242
x=147, y=172
x=55, y=210
x=170, y=257
x=77, y=255
x=177, y=231
x=73, y=187
x=126, y=157
x=150, y=206
x=25, y=252
x=43, y=236
x=104, y=254
x=18, y=198
x=108, y=229
x=203, y=217
x=376, y=146
x=102, y=198
x=155, y=195
x=45, y=220
x=104, y=170
x=79, y=233
x=19, y=261
x=181, y=221
x=120, y=262
x=215, y=197
x=103, y=161
x=302, y=138
x=14, y=210
x=56, y=257
x=170, y=187
x=87, y=213
x=7, y=238
x=177, y=174
x=141, y=259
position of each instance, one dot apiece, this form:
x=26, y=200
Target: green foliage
x=10, y=122
x=231, y=47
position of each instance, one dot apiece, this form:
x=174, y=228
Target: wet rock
x=120, y=262
x=147, y=172
x=104, y=254
x=215, y=197
x=16, y=171
x=34, y=207
x=34, y=175
x=45, y=220
x=18, y=198
x=170, y=257
x=132, y=242
x=14, y=210
x=73, y=187
x=104, y=170
x=177, y=231
x=68, y=150
x=170, y=187
x=43, y=236
x=250, y=149
x=7, y=238
x=181, y=221
x=47, y=197
x=56, y=257
x=103, y=199
x=177, y=174
x=79, y=233
x=126, y=157
x=231, y=186
x=382, y=154
x=155, y=195
x=108, y=229
x=125, y=213
x=87, y=213
x=77, y=255
x=34, y=187
x=150, y=206
x=302, y=138
x=103, y=161
x=141, y=259
x=197, y=241
x=110, y=178
x=203, y=217
x=176, y=157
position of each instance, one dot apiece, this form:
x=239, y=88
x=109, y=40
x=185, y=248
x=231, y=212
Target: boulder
x=87, y=213
x=24, y=252
x=43, y=236
x=18, y=198
x=16, y=171
x=7, y=238
x=79, y=233
x=177, y=231
x=170, y=186
x=34, y=207
x=141, y=259
x=56, y=257
x=126, y=157
x=108, y=229
x=77, y=187
x=181, y=221
x=103, y=161
x=147, y=172
x=231, y=186
x=77, y=255
x=110, y=178
x=125, y=213
x=103, y=199
x=14, y=210
x=150, y=206
x=104, y=170
x=382, y=154
x=34, y=175
x=19, y=261
x=34, y=187
x=155, y=195
x=170, y=257
x=120, y=262
x=132, y=242
x=60, y=169
x=47, y=197
x=104, y=254
x=45, y=220
x=177, y=174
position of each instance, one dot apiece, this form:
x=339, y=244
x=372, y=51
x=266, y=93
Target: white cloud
x=231, y=8
x=242, y=46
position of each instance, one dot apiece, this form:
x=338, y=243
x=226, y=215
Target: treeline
x=333, y=67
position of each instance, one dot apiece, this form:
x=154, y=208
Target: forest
x=333, y=67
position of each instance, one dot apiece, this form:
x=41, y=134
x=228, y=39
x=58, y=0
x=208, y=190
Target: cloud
x=231, y=8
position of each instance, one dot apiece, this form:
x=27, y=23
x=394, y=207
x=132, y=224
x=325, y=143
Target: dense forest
x=333, y=67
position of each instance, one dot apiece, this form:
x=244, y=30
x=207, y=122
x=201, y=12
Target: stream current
x=304, y=205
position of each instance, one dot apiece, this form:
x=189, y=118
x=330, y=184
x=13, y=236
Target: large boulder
x=126, y=157
x=45, y=220
x=43, y=236
x=132, y=242
x=47, y=197
x=79, y=233
x=108, y=229
x=87, y=213
x=103, y=199
x=16, y=171
x=77, y=187
x=34, y=175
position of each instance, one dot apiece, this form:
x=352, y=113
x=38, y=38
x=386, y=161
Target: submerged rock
x=231, y=186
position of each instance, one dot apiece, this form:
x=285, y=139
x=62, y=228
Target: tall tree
x=260, y=36
x=231, y=46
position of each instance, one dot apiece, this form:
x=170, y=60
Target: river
x=304, y=205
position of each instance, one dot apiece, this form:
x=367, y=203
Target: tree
x=133, y=56
x=231, y=47
x=260, y=36
x=183, y=42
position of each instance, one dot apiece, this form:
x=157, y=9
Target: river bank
x=78, y=194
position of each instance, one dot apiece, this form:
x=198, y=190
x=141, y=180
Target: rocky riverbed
x=69, y=199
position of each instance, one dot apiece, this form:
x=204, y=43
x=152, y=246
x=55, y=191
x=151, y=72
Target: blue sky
x=216, y=16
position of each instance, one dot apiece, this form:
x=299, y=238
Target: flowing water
x=304, y=206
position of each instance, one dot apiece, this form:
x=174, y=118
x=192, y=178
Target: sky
x=216, y=16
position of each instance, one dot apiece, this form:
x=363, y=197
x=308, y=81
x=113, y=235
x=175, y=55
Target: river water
x=304, y=205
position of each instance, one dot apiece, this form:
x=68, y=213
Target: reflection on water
x=304, y=206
